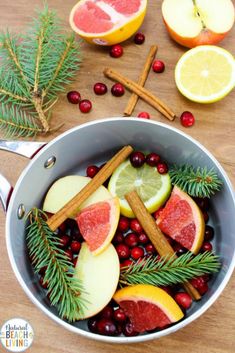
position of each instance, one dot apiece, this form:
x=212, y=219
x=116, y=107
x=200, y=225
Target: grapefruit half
x=107, y=22
x=183, y=221
x=148, y=307
x=98, y=223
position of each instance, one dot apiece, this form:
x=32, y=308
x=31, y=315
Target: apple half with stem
x=198, y=22
x=99, y=276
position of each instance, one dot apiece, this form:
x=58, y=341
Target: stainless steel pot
x=96, y=142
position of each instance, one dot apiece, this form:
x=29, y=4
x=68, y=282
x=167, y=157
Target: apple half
x=99, y=276
x=198, y=22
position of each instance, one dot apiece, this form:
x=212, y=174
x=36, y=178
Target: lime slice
x=205, y=74
x=152, y=187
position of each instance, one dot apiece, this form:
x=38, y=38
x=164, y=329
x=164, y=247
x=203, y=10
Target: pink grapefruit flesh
x=98, y=223
x=182, y=220
x=148, y=307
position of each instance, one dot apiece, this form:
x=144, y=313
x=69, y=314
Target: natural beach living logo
x=16, y=335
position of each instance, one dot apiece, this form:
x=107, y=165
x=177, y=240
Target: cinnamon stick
x=155, y=235
x=73, y=205
x=142, y=79
x=142, y=92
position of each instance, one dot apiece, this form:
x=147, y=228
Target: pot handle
x=27, y=149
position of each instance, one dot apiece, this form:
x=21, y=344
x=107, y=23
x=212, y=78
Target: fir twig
x=169, y=271
x=44, y=248
x=199, y=182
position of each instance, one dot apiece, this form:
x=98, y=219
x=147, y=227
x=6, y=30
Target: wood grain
x=214, y=332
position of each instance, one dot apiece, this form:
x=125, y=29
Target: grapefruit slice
x=148, y=307
x=183, y=221
x=107, y=22
x=98, y=223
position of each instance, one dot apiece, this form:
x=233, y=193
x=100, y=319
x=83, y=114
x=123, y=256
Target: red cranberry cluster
x=74, y=97
x=138, y=159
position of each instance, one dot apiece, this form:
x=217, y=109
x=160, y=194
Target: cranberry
x=187, y=119
x=137, y=159
x=168, y=290
x=183, y=299
x=180, y=250
x=119, y=315
x=42, y=271
x=150, y=248
x=128, y=330
x=62, y=228
x=100, y=88
x=135, y=226
x=158, y=66
x=106, y=313
x=206, y=277
x=64, y=240
x=203, y=289
x=123, y=251
x=118, y=238
x=42, y=283
x=209, y=233
x=85, y=106
x=74, y=97
x=106, y=327
x=162, y=168
x=198, y=282
x=206, y=246
x=144, y=115
x=131, y=240
x=92, y=324
x=126, y=263
x=206, y=217
x=157, y=213
x=117, y=90
x=137, y=252
x=69, y=254
x=123, y=224
x=75, y=246
x=139, y=38
x=143, y=238
x=203, y=203
x=116, y=51
x=152, y=159
x=92, y=170
x=75, y=260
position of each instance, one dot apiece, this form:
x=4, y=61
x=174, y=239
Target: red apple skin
x=205, y=37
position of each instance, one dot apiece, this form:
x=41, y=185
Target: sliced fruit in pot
x=148, y=307
x=99, y=276
x=64, y=189
x=98, y=224
x=205, y=74
x=182, y=220
x=107, y=22
x=152, y=187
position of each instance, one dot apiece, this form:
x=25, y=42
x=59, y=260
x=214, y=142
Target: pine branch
x=198, y=182
x=169, y=271
x=44, y=248
x=16, y=122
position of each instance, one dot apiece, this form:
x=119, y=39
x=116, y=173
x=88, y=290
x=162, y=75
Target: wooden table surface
x=214, y=332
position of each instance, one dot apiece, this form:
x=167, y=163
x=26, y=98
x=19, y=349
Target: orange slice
x=148, y=307
x=183, y=221
x=98, y=223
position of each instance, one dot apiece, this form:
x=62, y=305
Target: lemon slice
x=205, y=74
x=152, y=187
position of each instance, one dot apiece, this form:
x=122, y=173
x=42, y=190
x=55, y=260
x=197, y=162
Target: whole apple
x=198, y=22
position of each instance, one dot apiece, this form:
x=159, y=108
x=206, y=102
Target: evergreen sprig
x=44, y=248
x=169, y=271
x=199, y=182
x=34, y=69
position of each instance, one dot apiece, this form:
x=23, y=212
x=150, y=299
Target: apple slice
x=99, y=275
x=64, y=189
x=198, y=22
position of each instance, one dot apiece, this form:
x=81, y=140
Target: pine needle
x=44, y=248
x=169, y=271
x=199, y=182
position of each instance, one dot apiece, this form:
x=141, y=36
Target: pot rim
x=87, y=334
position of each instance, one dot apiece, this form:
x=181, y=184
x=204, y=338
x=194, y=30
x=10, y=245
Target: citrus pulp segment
x=107, y=22
x=148, y=307
x=182, y=220
x=152, y=187
x=205, y=74
x=98, y=223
